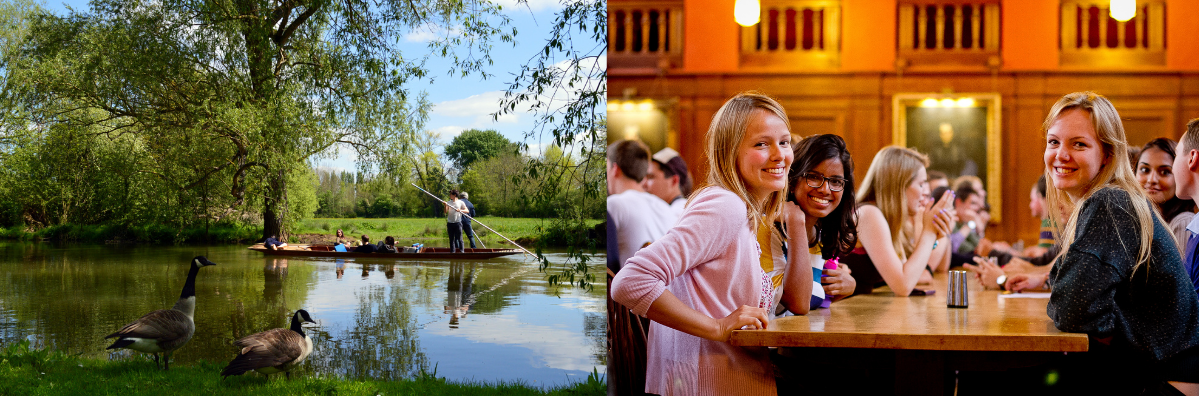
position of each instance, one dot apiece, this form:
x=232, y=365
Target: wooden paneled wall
x=857, y=106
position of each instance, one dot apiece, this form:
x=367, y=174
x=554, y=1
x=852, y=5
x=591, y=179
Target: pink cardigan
x=710, y=262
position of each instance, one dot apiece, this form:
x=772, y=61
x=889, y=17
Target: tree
x=565, y=87
x=474, y=145
x=242, y=93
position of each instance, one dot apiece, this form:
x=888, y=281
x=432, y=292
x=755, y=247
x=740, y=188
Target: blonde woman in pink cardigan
x=702, y=280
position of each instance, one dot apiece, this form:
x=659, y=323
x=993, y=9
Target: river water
x=483, y=320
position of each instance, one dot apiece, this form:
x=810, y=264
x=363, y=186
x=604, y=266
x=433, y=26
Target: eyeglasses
x=815, y=180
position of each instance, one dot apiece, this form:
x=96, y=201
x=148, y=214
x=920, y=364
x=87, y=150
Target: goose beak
x=200, y=261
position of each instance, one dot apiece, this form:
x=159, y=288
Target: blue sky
x=460, y=103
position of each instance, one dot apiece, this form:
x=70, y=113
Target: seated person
x=273, y=243
x=366, y=247
x=388, y=245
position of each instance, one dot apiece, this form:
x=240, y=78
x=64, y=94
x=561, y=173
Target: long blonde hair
x=1116, y=173
x=891, y=172
x=723, y=138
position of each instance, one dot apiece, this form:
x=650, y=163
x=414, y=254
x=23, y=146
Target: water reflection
x=458, y=295
x=389, y=326
x=273, y=275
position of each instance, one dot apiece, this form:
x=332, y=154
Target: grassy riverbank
x=524, y=230
x=39, y=372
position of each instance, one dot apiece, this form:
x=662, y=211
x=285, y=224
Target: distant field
x=432, y=229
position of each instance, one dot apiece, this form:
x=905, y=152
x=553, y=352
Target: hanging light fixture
x=747, y=12
x=1122, y=10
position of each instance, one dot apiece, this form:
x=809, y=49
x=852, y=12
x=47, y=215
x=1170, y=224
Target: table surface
x=883, y=321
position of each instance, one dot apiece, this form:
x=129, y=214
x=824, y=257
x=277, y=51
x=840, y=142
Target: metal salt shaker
x=958, y=290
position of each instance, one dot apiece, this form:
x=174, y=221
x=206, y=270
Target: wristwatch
x=1001, y=281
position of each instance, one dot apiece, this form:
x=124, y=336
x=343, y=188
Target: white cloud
x=431, y=32
x=449, y=132
x=477, y=109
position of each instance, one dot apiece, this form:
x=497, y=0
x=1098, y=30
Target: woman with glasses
x=902, y=238
x=821, y=182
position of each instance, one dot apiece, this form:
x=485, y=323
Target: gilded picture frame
x=960, y=132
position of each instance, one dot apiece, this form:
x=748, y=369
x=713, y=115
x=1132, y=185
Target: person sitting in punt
x=1119, y=278
x=903, y=236
x=273, y=243
x=366, y=247
x=703, y=279
x=388, y=245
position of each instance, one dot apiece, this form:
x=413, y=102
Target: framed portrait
x=960, y=133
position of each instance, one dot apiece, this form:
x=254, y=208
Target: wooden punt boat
x=424, y=253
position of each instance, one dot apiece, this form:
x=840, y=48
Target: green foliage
x=224, y=102
x=474, y=145
x=28, y=371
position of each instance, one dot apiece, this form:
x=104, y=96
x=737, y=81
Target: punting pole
x=476, y=220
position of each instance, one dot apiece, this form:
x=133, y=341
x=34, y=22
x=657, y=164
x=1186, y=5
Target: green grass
x=432, y=230
x=517, y=229
x=39, y=372
x=149, y=233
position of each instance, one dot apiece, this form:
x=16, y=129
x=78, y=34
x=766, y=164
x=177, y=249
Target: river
x=484, y=320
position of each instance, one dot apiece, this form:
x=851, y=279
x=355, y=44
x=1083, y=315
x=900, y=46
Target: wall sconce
x=1122, y=10
x=747, y=12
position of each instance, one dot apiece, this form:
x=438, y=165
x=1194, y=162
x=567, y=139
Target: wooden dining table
x=923, y=337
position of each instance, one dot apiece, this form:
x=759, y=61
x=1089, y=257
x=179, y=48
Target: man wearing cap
x=638, y=217
x=669, y=179
x=470, y=208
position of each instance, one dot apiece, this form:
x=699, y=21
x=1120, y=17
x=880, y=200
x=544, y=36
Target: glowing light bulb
x=930, y=102
x=747, y=12
x=613, y=106
x=627, y=106
x=966, y=102
x=947, y=102
x=1122, y=10
x=645, y=106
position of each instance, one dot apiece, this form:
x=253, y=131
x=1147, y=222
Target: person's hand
x=1019, y=266
x=744, y=318
x=1021, y=282
x=986, y=271
x=1034, y=251
x=939, y=217
x=985, y=246
x=838, y=282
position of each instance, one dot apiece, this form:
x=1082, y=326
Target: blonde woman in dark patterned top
x=1119, y=278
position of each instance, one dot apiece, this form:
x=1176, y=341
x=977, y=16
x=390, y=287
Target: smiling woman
x=702, y=280
x=1119, y=277
x=1155, y=173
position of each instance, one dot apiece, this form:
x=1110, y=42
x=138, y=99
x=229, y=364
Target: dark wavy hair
x=1173, y=206
x=838, y=232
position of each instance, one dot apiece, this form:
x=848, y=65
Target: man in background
x=470, y=208
x=670, y=180
x=638, y=216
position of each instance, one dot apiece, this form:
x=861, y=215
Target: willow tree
x=240, y=94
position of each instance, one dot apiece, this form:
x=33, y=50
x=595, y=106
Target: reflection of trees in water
x=69, y=299
x=595, y=328
x=381, y=343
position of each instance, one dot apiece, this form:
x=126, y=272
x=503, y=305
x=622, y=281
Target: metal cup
x=958, y=291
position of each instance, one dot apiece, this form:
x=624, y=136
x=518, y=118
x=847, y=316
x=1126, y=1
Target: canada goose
x=164, y=330
x=274, y=350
